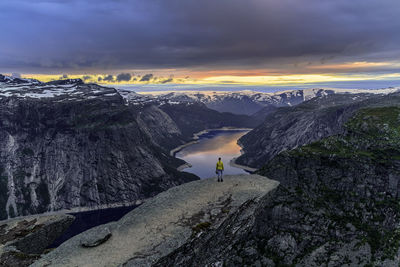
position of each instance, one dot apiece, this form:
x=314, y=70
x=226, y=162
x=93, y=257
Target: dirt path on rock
x=161, y=224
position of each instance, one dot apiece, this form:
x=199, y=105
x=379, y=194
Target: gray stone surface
x=162, y=223
x=23, y=239
x=102, y=235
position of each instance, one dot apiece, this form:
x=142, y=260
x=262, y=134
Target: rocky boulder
x=24, y=239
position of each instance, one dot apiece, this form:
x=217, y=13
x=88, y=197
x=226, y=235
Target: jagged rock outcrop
x=337, y=204
x=23, y=240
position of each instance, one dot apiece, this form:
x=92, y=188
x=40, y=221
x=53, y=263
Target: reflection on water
x=204, y=155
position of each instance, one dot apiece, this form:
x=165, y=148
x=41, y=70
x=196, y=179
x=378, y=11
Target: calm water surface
x=204, y=155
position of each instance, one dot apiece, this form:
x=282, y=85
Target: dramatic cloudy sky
x=217, y=41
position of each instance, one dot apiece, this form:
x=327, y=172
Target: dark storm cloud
x=167, y=80
x=146, y=77
x=124, y=77
x=128, y=34
x=109, y=78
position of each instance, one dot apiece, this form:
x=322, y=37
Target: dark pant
x=219, y=174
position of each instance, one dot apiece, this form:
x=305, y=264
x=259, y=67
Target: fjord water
x=88, y=219
x=203, y=155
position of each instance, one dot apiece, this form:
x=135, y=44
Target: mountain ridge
x=68, y=144
x=250, y=102
x=289, y=127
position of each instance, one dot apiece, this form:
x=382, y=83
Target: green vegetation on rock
x=344, y=187
x=373, y=133
x=201, y=227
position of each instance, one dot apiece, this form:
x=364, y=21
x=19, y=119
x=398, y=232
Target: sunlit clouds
x=199, y=42
x=296, y=79
x=209, y=78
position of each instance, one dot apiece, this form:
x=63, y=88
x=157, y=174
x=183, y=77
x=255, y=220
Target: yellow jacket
x=220, y=165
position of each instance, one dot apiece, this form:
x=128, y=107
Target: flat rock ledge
x=160, y=225
x=23, y=239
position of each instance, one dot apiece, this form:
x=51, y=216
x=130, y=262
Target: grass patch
x=225, y=210
x=201, y=227
x=23, y=256
x=372, y=134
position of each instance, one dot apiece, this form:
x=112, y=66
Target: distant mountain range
x=251, y=102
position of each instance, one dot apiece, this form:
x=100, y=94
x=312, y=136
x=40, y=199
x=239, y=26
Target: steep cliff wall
x=81, y=148
x=291, y=127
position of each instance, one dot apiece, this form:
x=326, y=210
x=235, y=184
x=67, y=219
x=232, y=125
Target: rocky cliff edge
x=161, y=224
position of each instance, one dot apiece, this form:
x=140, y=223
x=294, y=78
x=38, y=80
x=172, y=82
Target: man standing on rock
x=219, y=170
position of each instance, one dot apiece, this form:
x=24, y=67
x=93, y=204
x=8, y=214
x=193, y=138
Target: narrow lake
x=204, y=155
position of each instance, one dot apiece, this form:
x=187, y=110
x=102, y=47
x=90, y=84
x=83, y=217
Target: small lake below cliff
x=88, y=219
x=211, y=145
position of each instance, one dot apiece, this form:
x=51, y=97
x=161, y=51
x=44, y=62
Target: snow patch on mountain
x=261, y=96
x=305, y=94
x=246, y=101
x=241, y=102
x=67, y=89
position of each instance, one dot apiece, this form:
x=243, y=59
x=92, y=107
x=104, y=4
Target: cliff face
x=159, y=126
x=337, y=204
x=67, y=144
x=62, y=153
x=339, y=200
x=291, y=127
x=195, y=117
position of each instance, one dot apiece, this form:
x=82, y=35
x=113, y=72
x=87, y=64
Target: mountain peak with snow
x=4, y=79
x=69, y=89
